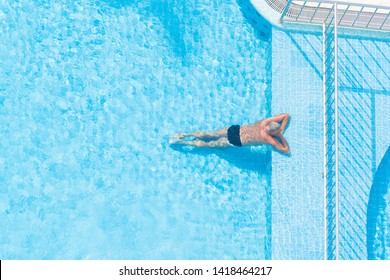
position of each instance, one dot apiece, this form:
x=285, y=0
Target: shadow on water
x=164, y=11
x=351, y=74
x=261, y=27
x=376, y=209
x=362, y=69
x=243, y=158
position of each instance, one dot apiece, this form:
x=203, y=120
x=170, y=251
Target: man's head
x=273, y=128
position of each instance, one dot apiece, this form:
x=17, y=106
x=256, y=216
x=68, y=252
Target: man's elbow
x=283, y=150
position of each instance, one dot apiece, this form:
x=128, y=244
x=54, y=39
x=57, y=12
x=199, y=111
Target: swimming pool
x=91, y=91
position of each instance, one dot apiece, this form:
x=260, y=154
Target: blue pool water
x=91, y=91
x=378, y=212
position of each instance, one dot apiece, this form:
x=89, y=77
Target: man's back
x=253, y=134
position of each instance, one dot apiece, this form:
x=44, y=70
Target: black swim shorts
x=233, y=134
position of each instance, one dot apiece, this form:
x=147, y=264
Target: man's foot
x=181, y=135
x=172, y=141
x=176, y=140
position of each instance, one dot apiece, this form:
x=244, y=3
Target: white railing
x=353, y=15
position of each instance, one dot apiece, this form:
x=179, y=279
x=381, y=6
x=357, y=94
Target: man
x=262, y=132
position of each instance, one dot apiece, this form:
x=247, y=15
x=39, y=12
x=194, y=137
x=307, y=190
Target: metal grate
x=351, y=15
x=316, y=12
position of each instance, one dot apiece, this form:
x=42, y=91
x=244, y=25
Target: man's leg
x=205, y=134
x=222, y=142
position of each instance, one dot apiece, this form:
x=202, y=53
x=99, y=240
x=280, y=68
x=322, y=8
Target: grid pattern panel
x=329, y=77
x=364, y=97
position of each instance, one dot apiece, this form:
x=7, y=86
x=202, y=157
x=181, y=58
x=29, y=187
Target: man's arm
x=283, y=147
x=284, y=122
x=278, y=118
x=284, y=143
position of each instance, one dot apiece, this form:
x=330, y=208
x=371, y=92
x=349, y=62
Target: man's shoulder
x=262, y=122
